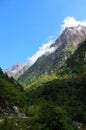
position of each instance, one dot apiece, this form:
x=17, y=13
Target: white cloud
x=44, y=49
x=71, y=21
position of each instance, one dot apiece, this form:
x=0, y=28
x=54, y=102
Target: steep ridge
x=65, y=46
x=17, y=70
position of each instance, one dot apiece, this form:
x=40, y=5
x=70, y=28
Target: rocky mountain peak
x=78, y=30
x=74, y=34
x=16, y=70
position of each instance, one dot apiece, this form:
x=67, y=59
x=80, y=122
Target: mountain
x=58, y=102
x=72, y=35
x=16, y=70
x=64, y=47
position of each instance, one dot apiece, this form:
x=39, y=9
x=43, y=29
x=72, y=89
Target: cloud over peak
x=71, y=21
x=45, y=48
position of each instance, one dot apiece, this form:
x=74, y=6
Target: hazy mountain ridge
x=65, y=46
x=17, y=70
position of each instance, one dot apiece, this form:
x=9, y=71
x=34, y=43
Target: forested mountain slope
x=76, y=64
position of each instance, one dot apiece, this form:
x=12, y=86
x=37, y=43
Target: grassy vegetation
x=11, y=93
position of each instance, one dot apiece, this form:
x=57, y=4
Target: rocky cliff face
x=16, y=70
x=65, y=46
x=72, y=35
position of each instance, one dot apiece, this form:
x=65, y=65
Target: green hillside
x=41, y=114
x=11, y=94
x=76, y=64
x=67, y=93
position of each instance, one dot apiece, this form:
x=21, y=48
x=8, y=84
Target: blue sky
x=26, y=25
